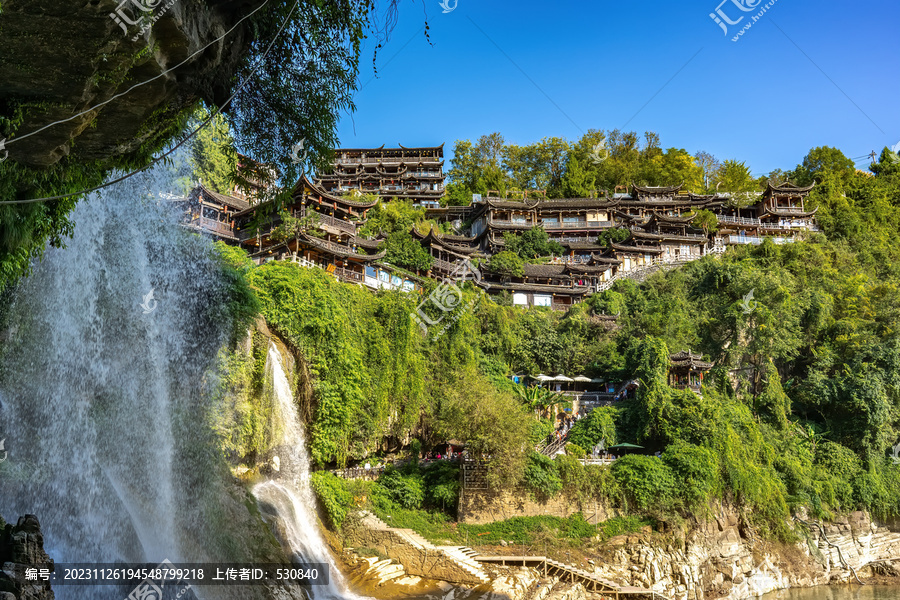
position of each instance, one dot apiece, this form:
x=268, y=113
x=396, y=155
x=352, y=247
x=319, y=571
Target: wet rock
x=21, y=547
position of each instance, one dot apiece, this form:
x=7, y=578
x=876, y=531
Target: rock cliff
x=61, y=58
x=22, y=546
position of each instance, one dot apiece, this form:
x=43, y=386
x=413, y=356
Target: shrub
x=332, y=495
x=541, y=475
x=407, y=491
x=646, y=480
x=697, y=471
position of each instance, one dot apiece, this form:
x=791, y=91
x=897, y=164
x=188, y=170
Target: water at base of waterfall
x=287, y=499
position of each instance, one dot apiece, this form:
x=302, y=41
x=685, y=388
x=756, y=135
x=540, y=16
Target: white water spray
x=289, y=494
x=103, y=402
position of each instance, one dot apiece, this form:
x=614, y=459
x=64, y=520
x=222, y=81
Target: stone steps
x=462, y=556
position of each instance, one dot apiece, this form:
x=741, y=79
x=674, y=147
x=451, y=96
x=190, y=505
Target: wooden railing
x=215, y=226
x=577, y=225
x=348, y=275
x=332, y=221
x=738, y=220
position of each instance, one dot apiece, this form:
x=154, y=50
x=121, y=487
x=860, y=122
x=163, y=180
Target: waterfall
x=106, y=377
x=288, y=497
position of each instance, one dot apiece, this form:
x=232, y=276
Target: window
x=384, y=276
x=540, y=300
x=397, y=281
x=520, y=299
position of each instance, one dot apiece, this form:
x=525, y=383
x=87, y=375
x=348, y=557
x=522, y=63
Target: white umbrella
x=563, y=378
x=543, y=377
x=583, y=379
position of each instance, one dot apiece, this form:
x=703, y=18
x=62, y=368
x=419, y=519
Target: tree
x=613, y=235
x=213, y=157
x=532, y=244
x=599, y=425
x=507, y=263
x=490, y=422
x=540, y=399
x=405, y=251
x=709, y=164
x=734, y=177
x=674, y=166
x=705, y=220
x=577, y=182
x=820, y=162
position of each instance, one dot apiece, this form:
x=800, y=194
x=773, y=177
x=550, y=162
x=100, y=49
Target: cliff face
x=718, y=560
x=22, y=546
x=60, y=58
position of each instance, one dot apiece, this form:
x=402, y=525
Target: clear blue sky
x=805, y=74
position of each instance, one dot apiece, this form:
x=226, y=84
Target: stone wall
x=486, y=506
x=22, y=546
x=418, y=556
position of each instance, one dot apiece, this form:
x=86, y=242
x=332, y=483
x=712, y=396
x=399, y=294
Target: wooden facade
x=658, y=222
x=415, y=174
x=211, y=213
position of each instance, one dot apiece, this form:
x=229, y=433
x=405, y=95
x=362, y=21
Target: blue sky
x=805, y=74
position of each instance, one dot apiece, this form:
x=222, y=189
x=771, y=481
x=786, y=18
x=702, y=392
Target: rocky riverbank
x=22, y=546
x=716, y=559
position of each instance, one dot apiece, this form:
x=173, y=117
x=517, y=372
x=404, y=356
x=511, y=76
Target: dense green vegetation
x=604, y=161
x=800, y=409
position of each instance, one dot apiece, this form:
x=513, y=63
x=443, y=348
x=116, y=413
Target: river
x=833, y=592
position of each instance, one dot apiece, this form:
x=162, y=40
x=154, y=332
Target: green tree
x=705, y=220
x=822, y=161
x=213, y=157
x=405, y=251
x=507, y=263
x=531, y=244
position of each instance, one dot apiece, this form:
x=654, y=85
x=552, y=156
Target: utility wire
x=179, y=144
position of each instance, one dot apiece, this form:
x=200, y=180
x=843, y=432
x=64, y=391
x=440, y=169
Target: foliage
x=213, y=158
x=405, y=251
x=599, y=424
x=613, y=235
x=507, y=263
x=333, y=497
x=531, y=244
x=406, y=490
x=540, y=475
x=648, y=482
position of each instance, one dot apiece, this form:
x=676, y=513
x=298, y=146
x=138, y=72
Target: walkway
x=565, y=572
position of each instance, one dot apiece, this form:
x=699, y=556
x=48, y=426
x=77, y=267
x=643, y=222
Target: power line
x=179, y=144
x=137, y=85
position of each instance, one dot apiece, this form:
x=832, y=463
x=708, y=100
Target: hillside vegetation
x=801, y=408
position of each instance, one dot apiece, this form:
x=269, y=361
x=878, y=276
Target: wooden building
x=415, y=174
x=781, y=214
x=211, y=213
x=686, y=371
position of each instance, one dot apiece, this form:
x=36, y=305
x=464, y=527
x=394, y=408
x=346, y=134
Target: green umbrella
x=627, y=445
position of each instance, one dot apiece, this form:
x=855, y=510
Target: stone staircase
x=459, y=557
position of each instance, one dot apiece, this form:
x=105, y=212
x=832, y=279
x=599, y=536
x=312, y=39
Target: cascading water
x=288, y=497
x=106, y=379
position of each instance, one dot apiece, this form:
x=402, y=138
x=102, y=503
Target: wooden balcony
x=214, y=226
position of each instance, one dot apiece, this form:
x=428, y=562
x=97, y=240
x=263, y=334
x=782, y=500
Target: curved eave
x=787, y=188
x=795, y=215
x=324, y=247
x=319, y=191
x=672, y=189
x=527, y=287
